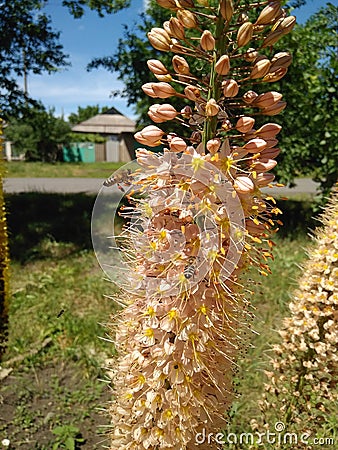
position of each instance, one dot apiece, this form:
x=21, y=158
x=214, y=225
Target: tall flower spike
x=302, y=383
x=201, y=221
x=4, y=258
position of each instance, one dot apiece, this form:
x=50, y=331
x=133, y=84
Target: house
x=118, y=130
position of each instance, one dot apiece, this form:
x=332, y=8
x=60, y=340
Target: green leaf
x=70, y=443
x=58, y=431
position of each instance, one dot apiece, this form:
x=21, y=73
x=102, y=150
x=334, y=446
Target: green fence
x=79, y=152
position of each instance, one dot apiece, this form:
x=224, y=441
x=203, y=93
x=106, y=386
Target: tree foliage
x=310, y=126
x=309, y=123
x=29, y=44
x=130, y=59
x=77, y=7
x=82, y=114
x=39, y=134
x=85, y=113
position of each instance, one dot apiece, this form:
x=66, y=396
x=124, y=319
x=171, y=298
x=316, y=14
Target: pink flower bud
x=267, y=99
x=249, y=97
x=270, y=153
x=177, y=144
x=260, y=68
x=180, y=65
x=163, y=90
x=285, y=25
x=162, y=113
x=213, y=145
x=268, y=14
x=185, y=3
x=176, y=28
x=148, y=89
x=211, y=108
x=150, y=136
x=244, y=34
x=186, y=18
x=263, y=179
x=222, y=66
x=230, y=88
x=281, y=59
x=279, y=73
x=192, y=93
x=207, y=41
x=268, y=131
x=227, y=9
x=157, y=67
x=271, y=142
x=170, y=4
x=159, y=39
x=245, y=124
x=263, y=165
x=272, y=38
x=274, y=109
x=244, y=185
x=255, y=145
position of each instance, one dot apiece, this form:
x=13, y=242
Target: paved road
x=93, y=185
x=58, y=185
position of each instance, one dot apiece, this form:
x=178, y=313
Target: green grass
x=23, y=169
x=271, y=299
x=58, y=297
x=62, y=300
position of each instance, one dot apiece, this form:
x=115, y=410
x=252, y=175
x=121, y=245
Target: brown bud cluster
x=159, y=90
x=222, y=66
x=187, y=18
x=180, y=65
x=159, y=39
x=150, y=136
x=227, y=9
x=162, y=113
x=244, y=34
x=207, y=41
x=230, y=88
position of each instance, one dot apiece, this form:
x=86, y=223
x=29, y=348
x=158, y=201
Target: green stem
x=214, y=89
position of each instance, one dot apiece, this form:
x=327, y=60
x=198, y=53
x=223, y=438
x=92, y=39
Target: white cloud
x=67, y=90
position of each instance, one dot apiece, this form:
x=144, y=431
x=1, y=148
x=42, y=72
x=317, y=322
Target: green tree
x=29, y=44
x=130, y=60
x=77, y=7
x=85, y=113
x=82, y=114
x=39, y=135
x=309, y=123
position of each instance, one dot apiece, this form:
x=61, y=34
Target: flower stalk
x=4, y=258
x=202, y=220
x=301, y=386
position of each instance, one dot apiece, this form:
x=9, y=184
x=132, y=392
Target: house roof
x=109, y=122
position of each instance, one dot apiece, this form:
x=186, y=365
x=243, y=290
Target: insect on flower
x=190, y=269
x=122, y=177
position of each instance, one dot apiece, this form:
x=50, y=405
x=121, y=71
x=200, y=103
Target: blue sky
x=89, y=37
